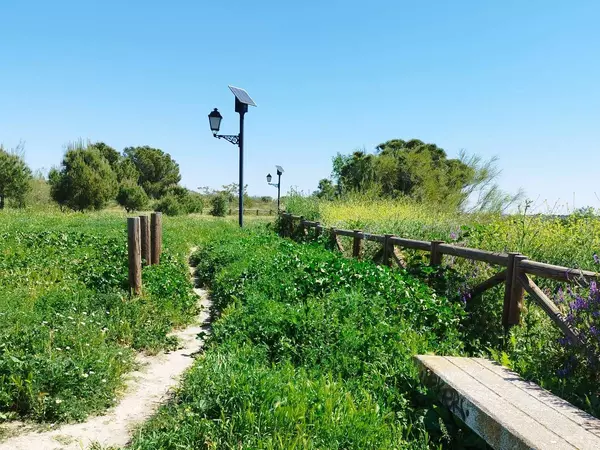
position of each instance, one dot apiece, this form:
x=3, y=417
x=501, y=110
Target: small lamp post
x=242, y=100
x=277, y=185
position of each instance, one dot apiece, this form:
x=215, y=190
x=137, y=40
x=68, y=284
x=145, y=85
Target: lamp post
x=277, y=185
x=242, y=100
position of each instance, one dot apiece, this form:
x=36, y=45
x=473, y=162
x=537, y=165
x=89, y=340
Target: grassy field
x=68, y=329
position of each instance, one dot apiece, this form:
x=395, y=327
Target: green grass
x=68, y=327
x=310, y=350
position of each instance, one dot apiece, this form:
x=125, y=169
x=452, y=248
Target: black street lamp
x=278, y=184
x=242, y=100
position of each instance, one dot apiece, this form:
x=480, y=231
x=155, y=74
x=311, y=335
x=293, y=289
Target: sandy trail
x=146, y=389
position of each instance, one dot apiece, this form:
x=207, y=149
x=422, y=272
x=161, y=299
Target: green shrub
x=218, y=206
x=132, y=197
x=169, y=205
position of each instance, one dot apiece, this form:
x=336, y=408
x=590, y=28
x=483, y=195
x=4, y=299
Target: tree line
x=93, y=175
x=419, y=171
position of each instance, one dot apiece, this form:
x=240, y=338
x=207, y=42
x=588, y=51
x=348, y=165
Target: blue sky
x=516, y=79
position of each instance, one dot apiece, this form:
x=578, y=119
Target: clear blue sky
x=518, y=79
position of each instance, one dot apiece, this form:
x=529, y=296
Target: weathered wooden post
x=517, y=292
x=387, y=250
x=134, y=254
x=302, y=227
x=357, y=244
x=435, y=258
x=156, y=236
x=318, y=229
x=257, y=211
x=508, y=289
x=145, y=237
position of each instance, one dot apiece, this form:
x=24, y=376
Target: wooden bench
x=506, y=411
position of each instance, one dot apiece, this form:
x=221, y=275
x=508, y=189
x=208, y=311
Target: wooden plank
x=549, y=308
x=145, y=239
x=559, y=273
x=156, y=236
x=491, y=282
x=500, y=259
x=508, y=284
x=501, y=382
x=387, y=250
x=500, y=423
x=398, y=257
x=572, y=413
x=411, y=243
x=341, y=232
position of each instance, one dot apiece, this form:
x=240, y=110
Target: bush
x=219, y=206
x=169, y=205
x=132, y=197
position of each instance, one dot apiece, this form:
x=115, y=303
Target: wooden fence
x=515, y=269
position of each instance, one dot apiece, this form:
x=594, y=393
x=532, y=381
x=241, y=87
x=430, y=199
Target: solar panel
x=242, y=96
x=279, y=169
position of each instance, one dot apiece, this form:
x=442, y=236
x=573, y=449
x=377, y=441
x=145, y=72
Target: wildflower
x=104, y=380
x=84, y=375
x=67, y=348
x=578, y=304
x=58, y=401
x=560, y=295
x=593, y=288
x=453, y=236
x=596, y=258
x=58, y=349
x=92, y=372
x=87, y=344
x=594, y=331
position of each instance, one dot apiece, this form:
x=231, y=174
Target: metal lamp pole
x=277, y=185
x=242, y=100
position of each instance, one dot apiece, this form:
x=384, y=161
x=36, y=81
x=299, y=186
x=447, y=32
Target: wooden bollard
x=145, y=237
x=435, y=258
x=302, y=226
x=156, y=236
x=357, y=244
x=135, y=255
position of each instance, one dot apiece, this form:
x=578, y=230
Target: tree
x=157, y=170
x=85, y=179
x=326, y=189
x=110, y=154
x=419, y=171
x=219, y=205
x=15, y=176
x=131, y=196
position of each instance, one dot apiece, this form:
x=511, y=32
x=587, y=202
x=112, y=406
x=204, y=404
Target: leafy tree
x=326, y=189
x=219, y=205
x=110, y=154
x=85, y=179
x=15, y=177
x=266, y=199
x=157, y=170
x=131, y=196
x=420, y=171
x=169, y=205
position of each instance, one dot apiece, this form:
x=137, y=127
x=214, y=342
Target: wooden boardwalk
x=506, y=411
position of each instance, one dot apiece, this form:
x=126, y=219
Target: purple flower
x=593, y=288
x=578, y=304
x=596, y=258
x=560, y=296
x=596, y=314
x=564, y=341
x=594, y=331
x=454, y=235
x=564, y=372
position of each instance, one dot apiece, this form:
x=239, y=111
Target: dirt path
x=146, y=390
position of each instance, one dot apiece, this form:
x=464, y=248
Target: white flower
x=58, y=401
x=104, y=380
x=67, y=348
x=84, y=375
x=87, y=344
x=91, y=372
x=58, y=349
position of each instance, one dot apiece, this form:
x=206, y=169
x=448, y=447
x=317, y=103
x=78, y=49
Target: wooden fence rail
x=515, y=274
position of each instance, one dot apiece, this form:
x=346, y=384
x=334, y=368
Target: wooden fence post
x=257, y=212
x=318, y=229
x=435, y=258
x=291, y=225
x=302, y=227
x=156, y=236
x=508, y=288
x=357, y=244
x=517, y=292
x=145, y=236
x=387, y=250
x=135, y=255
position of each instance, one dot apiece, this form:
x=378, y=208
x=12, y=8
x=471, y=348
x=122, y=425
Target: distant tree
x=157, y=170
x=15, y=177
x=219, y=205
x=131, y=196
x=266, y=199
x=170, y=205
x=326, y=189
x=85, y=179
